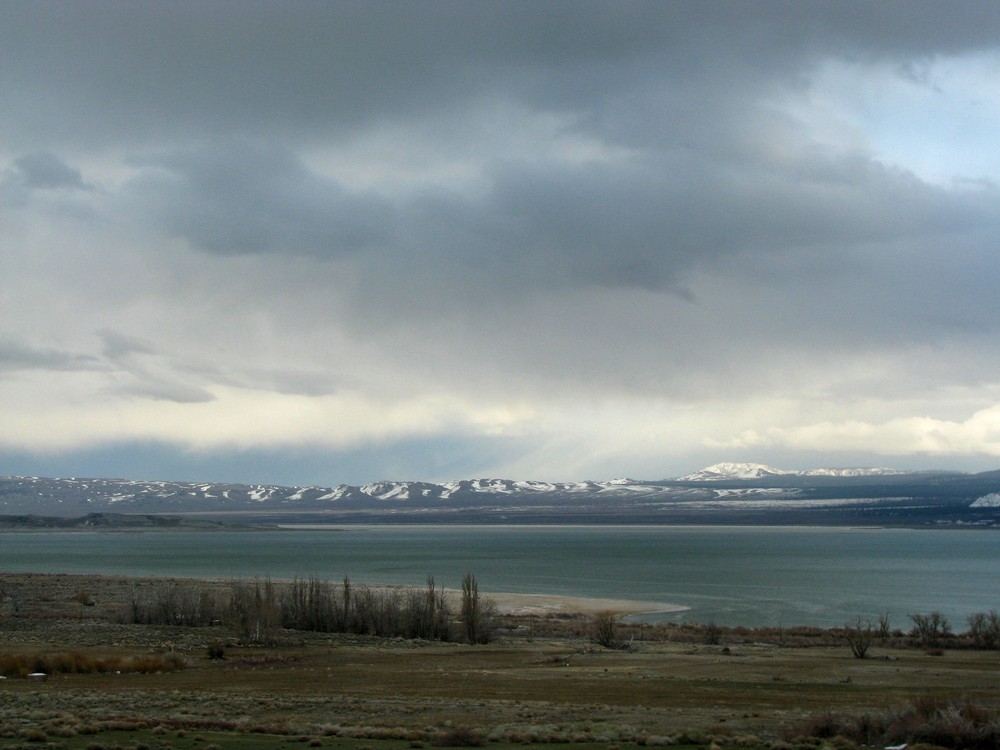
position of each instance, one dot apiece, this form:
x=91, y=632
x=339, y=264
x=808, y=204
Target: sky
x=312, y=243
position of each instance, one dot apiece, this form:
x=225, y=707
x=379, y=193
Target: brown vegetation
x=260, y=663
x=926, y=720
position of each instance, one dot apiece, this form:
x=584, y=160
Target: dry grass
x=74, y=662
x=925, y=720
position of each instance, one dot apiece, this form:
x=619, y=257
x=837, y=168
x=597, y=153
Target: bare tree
x=254, y=610
x=345, y=622
x=930, y=629
x=428, y=613
x=477, y=613
x=14, y=595
x=883, y=628
x=713, y=634
x=859, y=636
x=984, y=629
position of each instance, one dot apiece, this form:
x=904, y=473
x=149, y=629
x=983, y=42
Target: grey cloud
x=118, y=345
x=141, y=371
x=127, y=71
x=238, y=199
x=15, y=355
x=699, y=242
x=291, y=382
x=164, y=390
x=42, y=171
x=46, y=171
x=649, y=224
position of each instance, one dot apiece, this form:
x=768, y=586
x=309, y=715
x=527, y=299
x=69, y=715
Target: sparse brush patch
x=73, y=662
x=460, y=737
x=34, y=735
x=658, y=741
x=927, y=720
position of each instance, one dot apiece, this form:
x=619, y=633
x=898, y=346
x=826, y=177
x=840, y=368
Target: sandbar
x=550, y=604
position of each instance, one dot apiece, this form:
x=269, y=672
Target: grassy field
x=541, y=680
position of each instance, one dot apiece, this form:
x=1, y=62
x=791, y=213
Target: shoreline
x=508, y=603
x=513, y=603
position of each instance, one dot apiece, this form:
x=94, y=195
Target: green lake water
x=730, y=575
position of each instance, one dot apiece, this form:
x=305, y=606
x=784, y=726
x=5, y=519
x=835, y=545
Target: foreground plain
x=540, y=680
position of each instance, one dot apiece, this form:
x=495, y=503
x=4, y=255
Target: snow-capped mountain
x=722, y=493
x=722, y=471
x=64, y=496
x=730, y=471
x=873, y=471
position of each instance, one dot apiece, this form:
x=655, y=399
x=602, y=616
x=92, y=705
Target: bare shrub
x=859, y=636
x=172, y=603
x=930, y=629
x=460, y=737
x=84, y=599
x=254, y=611
x=428, y=614
x=605, y=630
x=984, y=629
x=713, y=634
x=34, y=734
x=311, y=605
x=377, y=612
x=884, y=631
x=928, y=720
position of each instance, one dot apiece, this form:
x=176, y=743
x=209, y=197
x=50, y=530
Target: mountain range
x=736, y=493
x=726, y=471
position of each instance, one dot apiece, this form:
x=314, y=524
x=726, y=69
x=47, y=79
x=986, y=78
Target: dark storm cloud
x=127, y=71
x=678, y=83
x=45, y=171
x=647, y=224
x=375, y=220
x=38, y=173
x=237, y=198
x=215, y=99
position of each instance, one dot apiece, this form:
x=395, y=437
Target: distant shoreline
x=548, y=604
x=256, y=521
x=507, y=603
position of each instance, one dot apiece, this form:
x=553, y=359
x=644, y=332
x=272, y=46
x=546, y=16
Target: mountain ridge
x=721, y=493
x=728, y=470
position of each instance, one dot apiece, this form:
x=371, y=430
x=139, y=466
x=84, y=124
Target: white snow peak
x=733, y=471
x=723, y=471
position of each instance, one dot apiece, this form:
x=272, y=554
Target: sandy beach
x=548, y=604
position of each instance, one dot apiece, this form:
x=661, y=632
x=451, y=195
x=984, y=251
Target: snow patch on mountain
x=732, y=471
x=991, y=500
x=875, y=471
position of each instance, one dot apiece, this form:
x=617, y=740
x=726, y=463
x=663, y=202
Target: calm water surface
x=732, y=575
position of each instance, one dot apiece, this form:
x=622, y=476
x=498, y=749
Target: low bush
x=73, y=662
x=460, y=738
x=928, y=720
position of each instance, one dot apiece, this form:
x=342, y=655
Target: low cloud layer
x=563, y=240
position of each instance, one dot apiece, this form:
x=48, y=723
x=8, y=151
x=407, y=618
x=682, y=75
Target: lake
x=730, y=575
